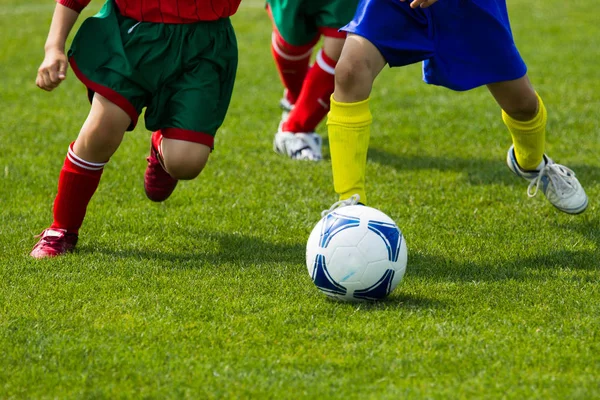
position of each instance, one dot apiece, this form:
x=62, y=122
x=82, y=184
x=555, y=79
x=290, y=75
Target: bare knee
x=517, y=98
x=359, y=64
x=353, y=79
x=184, y=160
x=352, y=72
x=522, y=108
x=102, y=132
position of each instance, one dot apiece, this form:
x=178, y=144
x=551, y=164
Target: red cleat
x=157, y=182
x=54, y=242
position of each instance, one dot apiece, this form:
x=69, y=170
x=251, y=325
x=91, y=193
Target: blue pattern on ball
x=379, y=290
x=391, y=236
x=323, y=280
x=334, y=224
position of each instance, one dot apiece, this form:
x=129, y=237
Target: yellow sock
x=529, y=137
x=349, y=128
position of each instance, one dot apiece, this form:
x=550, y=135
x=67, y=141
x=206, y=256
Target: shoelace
x=301, y=148
x=48, y=238
x=558, y=174
x=351, y=201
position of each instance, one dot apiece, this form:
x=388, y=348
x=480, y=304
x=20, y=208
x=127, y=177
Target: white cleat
x=299, y=146
x=557, y=182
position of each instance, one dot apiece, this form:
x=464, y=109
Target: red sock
x=313, y=103
x=77, y=184
x=292, y=64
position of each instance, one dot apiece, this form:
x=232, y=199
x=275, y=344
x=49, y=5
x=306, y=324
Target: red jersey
x=167, y=11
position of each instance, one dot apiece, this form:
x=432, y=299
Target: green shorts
x=300, y=22
x=182, y=73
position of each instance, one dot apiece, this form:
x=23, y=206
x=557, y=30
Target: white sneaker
x=350, y=201
x=299, y=146
x=558, y=183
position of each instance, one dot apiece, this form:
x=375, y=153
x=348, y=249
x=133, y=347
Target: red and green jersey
x=167, y=11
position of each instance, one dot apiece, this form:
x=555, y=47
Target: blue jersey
x=463, y=43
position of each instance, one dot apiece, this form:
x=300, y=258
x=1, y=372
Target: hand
x=420, y=3
x=53, y=70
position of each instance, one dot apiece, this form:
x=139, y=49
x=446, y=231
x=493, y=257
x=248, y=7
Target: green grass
x=207, y=294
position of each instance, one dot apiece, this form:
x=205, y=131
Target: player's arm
x=53, y=69
x=420, y=3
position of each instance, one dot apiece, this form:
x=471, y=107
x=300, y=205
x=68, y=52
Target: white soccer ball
x=356, y=253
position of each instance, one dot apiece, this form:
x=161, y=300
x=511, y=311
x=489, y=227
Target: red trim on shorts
x=332, y=32
x=108, y=93
x=290, y=48
x=188, y=136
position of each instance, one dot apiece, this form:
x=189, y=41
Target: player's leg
x=525, y=116
x=382, y=31
x=478, y=49
x=80, y=175
x=191, y=107
x=292, y=44
x=293, y=39
x=313, y=103
x=296, y=136
x=96, y=56
x=171, y=160
x=349, y=120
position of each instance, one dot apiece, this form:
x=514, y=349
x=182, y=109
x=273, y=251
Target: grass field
x=207, y=295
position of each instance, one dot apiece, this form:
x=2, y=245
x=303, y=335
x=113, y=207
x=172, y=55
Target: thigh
x=102, y=131
x=103, y=63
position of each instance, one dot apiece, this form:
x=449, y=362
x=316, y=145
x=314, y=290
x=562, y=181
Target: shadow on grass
x=397, y=299
x=195, y=249
x=198, y=249
x=477, y=171
x=439, y=268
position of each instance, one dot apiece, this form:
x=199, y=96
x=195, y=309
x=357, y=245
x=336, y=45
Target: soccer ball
x=356, y=253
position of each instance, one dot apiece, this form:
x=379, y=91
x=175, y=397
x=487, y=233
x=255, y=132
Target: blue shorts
x=463, y=43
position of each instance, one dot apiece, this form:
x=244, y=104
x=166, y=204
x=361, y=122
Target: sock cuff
x=358, y=113
x=531, y=126
x=325, y=62
x=289, y=51
x=79, y=163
